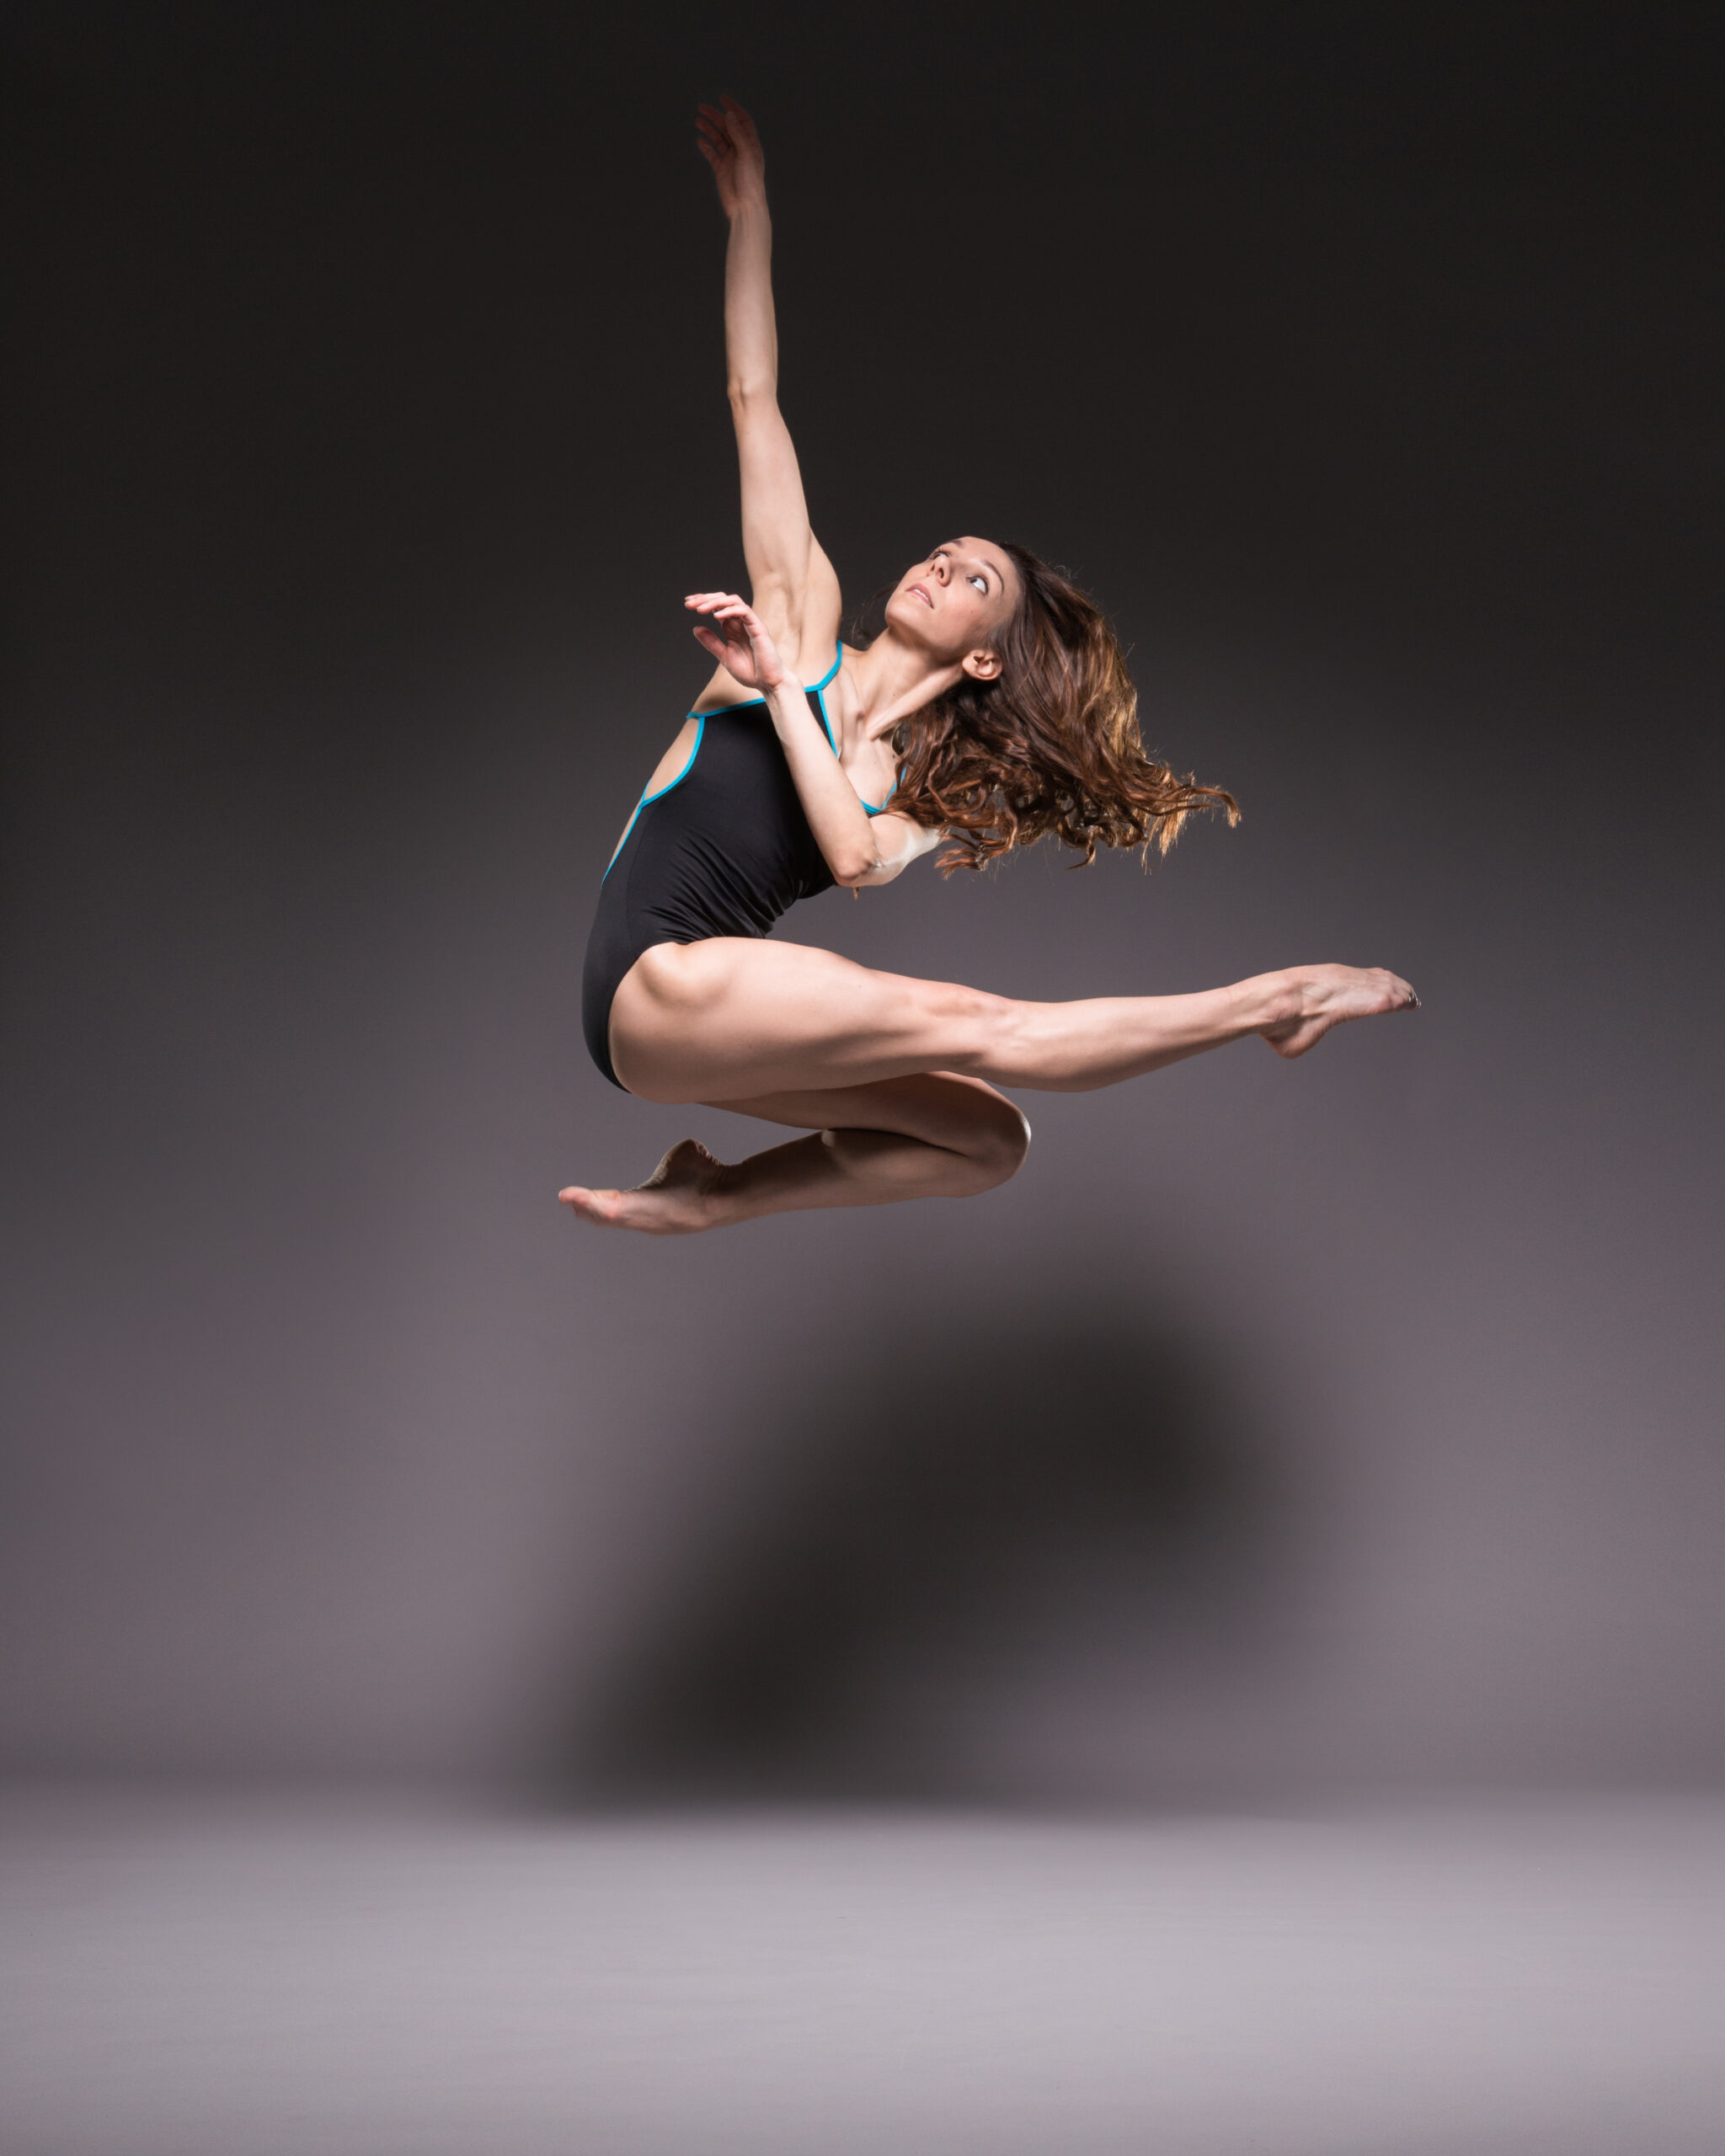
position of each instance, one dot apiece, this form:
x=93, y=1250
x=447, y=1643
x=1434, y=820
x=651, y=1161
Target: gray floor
x=181, y=1980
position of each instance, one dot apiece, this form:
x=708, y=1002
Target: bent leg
x=733, y=1019
x=933, y=1134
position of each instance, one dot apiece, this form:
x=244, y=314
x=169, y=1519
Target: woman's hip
x=731, y=1017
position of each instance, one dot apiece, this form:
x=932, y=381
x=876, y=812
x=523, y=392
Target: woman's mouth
x=921, y=591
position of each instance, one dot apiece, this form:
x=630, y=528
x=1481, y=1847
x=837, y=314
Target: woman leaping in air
x=993, y=709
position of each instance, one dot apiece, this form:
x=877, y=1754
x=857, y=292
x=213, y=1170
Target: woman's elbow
x=752, y=395
x=853, y=870
x=856, y=875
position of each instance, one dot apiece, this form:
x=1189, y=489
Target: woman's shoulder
x=816, y=670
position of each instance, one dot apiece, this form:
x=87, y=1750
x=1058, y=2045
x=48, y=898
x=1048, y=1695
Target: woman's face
x=953, y=603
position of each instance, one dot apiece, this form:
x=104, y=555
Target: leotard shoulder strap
x=873, y=808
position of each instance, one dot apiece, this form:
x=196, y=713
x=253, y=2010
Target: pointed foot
x=1331, y=995
x=682, y=1197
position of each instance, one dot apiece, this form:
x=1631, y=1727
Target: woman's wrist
x=786, y=703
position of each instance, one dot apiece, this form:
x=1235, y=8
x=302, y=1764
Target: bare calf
x=890, y=1074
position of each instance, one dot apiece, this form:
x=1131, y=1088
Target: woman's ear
x=981, y=665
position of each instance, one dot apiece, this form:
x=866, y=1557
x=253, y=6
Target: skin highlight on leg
x=862, y=1059
x=934, y=1135
x=733, y=1018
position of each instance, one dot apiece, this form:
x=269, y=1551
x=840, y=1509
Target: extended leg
x=733, y=1019
x=932, y=1135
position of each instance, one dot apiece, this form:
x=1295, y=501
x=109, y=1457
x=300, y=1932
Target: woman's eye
x=981, y=583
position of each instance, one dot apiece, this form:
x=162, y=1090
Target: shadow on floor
x=988, y=1526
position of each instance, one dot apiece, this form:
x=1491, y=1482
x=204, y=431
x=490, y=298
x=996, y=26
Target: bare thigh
x=732, y=1020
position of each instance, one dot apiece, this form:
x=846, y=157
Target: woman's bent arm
x=858, y=848
x=848, y=836
x=792, y=582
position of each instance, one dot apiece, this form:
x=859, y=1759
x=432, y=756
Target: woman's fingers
x=733, y=657
x=732, y=125
x=735, y=635
x=736, y=113
x=736, y=614
x=713, y=140
x=719, y=603
x=737, y=654
x=726, y=608
x=725, y=137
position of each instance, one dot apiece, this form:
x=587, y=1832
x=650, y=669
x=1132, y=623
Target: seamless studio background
x=1349, y=1426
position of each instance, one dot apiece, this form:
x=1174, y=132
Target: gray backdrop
x=1348, y=1424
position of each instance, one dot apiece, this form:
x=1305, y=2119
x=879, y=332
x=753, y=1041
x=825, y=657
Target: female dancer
x=993, y=709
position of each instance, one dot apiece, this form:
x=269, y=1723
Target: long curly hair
x=1050, y=745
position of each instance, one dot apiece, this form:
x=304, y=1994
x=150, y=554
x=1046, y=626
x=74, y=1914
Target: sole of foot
x=678, y=1198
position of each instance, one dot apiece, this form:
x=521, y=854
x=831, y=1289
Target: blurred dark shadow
x=996, y=1514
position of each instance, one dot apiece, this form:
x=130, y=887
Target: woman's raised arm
x=795, y=590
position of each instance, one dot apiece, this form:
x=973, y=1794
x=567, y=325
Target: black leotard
x=722, y=850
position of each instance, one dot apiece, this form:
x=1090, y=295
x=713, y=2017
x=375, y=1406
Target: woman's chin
x=910, y=621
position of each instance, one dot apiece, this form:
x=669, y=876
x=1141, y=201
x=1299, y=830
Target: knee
x=1000, y=1142
x=967, y=1028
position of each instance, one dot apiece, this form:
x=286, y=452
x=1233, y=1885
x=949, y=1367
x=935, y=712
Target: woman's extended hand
x=725, y=137
x=739, y=641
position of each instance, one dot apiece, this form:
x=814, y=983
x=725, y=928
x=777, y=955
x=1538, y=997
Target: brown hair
x=1050, y=745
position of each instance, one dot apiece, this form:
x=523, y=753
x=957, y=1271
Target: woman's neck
x=891, y=679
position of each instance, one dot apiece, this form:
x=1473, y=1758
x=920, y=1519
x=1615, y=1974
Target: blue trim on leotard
x=869, y=807
x=701, y=718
